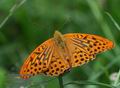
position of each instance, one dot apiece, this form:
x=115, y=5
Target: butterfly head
x=59, y=39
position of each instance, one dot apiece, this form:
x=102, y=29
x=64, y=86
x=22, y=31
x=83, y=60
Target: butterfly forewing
x=44, y=59
x=86, y=46
x=37, y=61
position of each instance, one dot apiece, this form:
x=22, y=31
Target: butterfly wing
x=84, y=47
x=44, y=59
x=58, y=64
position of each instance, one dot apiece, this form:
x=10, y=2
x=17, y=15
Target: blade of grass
x=113, y=20
x=30, y=83
x=116, y=60
x=89, y=83
x=18, y=4
x=97, y=12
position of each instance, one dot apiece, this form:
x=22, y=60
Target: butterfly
x=63, y=52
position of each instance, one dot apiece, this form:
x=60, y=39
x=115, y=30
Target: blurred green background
x=36, y=20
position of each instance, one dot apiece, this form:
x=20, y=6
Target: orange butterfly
x=62, y=52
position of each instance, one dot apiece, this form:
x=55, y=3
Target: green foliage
x=24, y=24
x=2, y=78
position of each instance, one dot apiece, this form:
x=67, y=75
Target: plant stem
x=60, y=81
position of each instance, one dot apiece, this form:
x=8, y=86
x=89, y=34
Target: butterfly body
x=62, y=52
x=61, y=43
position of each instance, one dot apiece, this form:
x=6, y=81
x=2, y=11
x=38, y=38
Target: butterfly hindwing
x=58, y=65
x=85, y=47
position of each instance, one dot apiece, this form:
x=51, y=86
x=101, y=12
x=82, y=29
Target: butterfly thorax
x=60, y=43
